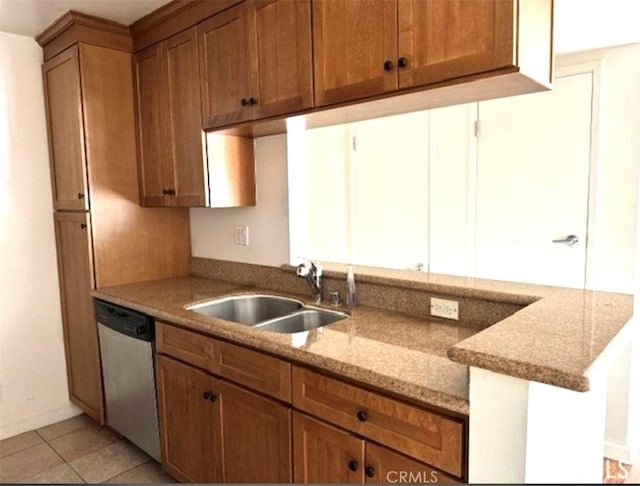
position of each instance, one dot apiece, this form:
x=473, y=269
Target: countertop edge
x=519, y=369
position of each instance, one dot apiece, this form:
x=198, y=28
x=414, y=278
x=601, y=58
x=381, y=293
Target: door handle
x=571, y=240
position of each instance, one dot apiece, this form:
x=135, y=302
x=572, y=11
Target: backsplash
x=373, y=289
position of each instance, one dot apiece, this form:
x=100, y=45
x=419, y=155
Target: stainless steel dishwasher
x=126, y=355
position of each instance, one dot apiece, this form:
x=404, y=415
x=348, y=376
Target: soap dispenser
x=351, y=289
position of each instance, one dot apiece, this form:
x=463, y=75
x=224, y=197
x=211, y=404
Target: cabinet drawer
x=424, y=435
x=260, y=372
x=187, y=346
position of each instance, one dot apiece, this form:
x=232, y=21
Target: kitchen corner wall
x=33, y=382
x=213, y=230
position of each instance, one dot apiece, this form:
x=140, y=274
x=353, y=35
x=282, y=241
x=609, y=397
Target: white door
x=533, y=184
x=390, y=191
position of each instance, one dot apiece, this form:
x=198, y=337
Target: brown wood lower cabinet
x=326, y=454
x=213, y=431
x=226, y=416
x=189, y=433
x=75, y=271
x=256, y=431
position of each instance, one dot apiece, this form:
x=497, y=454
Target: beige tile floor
x=76, y=451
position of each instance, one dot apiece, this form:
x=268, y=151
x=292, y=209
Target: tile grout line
x=130, y=469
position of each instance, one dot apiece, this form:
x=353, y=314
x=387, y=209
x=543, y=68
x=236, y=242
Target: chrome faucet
x=313, y=275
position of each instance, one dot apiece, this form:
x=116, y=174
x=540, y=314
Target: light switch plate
x=444, y=308
x=242, y=235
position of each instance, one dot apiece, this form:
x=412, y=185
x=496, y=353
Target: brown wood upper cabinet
x=63, y=102
x=255, y=61
x=179, y=165
x=170, y=150
x=368, y=47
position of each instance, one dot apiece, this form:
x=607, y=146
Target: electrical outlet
x=242, y=235
x=444, y=308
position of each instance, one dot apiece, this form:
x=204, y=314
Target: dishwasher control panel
x=125, y=321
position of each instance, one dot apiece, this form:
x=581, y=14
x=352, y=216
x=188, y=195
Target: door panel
x=189, y=163
x=63, y=103
x=400, y=230
x=255, y=437
x=154, y=142
x=352, y=40
x=533, y=184
x=188, y=429
x=445, y=39
x=386, y=466
x=281, y=69
x=75, y=267
x=322, y=453
x=224, y=68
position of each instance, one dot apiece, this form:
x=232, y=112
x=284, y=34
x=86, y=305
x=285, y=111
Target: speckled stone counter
x=548, y=334
x=388, y=350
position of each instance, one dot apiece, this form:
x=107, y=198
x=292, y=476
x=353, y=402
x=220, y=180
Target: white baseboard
x=39, y=420
x=619, y=452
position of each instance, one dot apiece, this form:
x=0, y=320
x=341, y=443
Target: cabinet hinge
x=354, y=144
x=476, y=128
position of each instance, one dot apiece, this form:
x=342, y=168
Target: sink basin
x=303, y=320
x=248, y=309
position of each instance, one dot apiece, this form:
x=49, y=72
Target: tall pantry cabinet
x=103, y=236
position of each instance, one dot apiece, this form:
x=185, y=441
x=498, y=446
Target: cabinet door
x=445, y=39
x=280, y=37
x=154, y=138
x=256, y=437
x=325, y=454
x=188, y=159
x=352, y=41
x=75, y=269
x=224, y=68
x=61, y=76
x=383, y=465
x=188, y=427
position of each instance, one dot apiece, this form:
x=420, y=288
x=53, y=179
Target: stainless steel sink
x=248, y=309
x=303, y=320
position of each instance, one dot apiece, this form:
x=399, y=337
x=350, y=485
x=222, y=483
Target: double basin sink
x=268, y=313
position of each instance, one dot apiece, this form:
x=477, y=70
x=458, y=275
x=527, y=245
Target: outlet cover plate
x=444, y=308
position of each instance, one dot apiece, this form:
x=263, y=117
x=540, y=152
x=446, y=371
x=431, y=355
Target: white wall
x=213, y=230
x=589, y=24
x=528, y=432
x=33, y=382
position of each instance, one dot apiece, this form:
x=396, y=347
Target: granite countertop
x=555, y=337
x=388, y=350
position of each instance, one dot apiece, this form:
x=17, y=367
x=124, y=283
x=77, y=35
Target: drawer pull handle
x=353, y=465
x=361, y=415
x=370, y=471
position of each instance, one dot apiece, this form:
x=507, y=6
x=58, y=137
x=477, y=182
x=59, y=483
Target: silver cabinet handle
x=571, y=240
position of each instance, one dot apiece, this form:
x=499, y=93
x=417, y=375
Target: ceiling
x=30, y=17
x=579, y=24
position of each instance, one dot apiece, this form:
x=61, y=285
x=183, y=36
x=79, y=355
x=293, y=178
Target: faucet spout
x=312, y=273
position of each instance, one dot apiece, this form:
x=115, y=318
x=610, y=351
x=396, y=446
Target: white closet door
x=452, y=186
x=390, y=202
x=533, y=181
